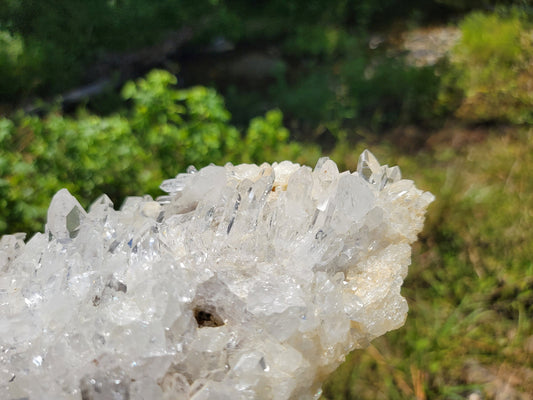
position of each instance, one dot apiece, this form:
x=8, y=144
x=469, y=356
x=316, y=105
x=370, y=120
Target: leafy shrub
x=358, y=91
x=319, y=41
x=88, y=155
x=62, y=37
x=310, y=98
x=266, y=138
x=20, y=66
x=493, y=64
x=180, y=127
x=389, y=92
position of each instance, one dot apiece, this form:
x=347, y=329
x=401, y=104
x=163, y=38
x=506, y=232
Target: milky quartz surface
x=244, y=282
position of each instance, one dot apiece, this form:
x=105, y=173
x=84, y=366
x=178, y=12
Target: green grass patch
x=492, y=67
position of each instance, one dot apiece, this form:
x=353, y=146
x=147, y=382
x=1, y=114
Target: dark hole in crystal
x=207, y=317
x=96, y=300
x=117, y=285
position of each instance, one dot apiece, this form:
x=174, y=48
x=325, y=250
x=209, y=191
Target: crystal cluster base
x=244, y=282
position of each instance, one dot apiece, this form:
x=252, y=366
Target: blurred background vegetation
x=116, y=95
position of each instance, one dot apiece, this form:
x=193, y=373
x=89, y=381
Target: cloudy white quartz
x=244, y=282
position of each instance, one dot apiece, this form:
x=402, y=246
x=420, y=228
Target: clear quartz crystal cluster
x=244, y=282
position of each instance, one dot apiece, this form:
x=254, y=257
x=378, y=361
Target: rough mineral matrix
x=244, y=282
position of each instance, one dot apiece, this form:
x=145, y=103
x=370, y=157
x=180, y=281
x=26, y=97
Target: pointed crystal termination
x=244, y=282
x=369, y=168
x=64, y=215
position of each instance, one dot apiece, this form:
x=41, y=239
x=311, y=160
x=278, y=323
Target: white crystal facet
x=244, y=282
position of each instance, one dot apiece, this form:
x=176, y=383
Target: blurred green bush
x=127, y=153
x=20, y=66
x=492, y=67
x=388, y=92
x=375, y=94
x=55, y=39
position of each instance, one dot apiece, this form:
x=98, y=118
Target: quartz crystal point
x=244, y=282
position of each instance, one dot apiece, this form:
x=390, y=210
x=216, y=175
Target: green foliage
x=361, y=14
x=373, y=93
x=61, y=38
x=163, y=132
x=324, y=42
x=469, y=5
x=310, y=98
x=88, y=155
x=266, y=138
x=492, y=63
x=20, y=66
x=389, y=92
x=180, y=127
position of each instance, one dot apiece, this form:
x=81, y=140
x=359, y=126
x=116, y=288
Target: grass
x=470, y=287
